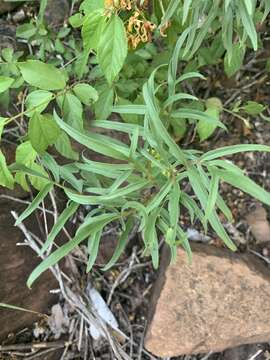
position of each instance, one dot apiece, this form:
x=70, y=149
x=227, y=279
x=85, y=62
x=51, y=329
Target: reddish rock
x=259, y=225
x=16, y=264
x=220, y=301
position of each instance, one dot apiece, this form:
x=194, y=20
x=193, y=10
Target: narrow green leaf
x=233, y=149
x=121, y=244
x=197, y=115
x=93, y=245
x=173, y=5
x=186, y=7
x=116, y=196
x=34, y=204
x=93, y=224
x=201, y=193
x=212, y=197
x=248, y=24
x=156, y=201
x=58, y=226
x=150, y=237
x=18, y=308
x=245, y=184
x=96, y=142
x=181, y=96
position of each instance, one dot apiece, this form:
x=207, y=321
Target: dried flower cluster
x=139, y=30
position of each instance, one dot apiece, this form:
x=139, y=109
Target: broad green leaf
x=206, y=129
x=233, y=149
x=26, y=156
x=93, y=26
x=91, y=5
x=41, y=75
x=58, y=226
x=179, y=127
x=5, y=83
x=233, y=64
x=63, y=146
x=6, y=178
x=122, y=242
x=39, y=182
x=103, y=107
x=26, y=31
x=76, y=20
x=86, y=93
x=112, y=48
x=72, y=110
x=92, y=225
x=2, y=125
x=253, y=108
x=43, y=131
x=37, y=101
x=34, y=204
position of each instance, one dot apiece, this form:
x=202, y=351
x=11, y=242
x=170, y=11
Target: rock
x=259, y=225
x=16, y=263
x=56, y=12
x=8, y=6
x=7, y=35
x=219, y=301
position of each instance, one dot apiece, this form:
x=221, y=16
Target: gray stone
x=8, y=6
